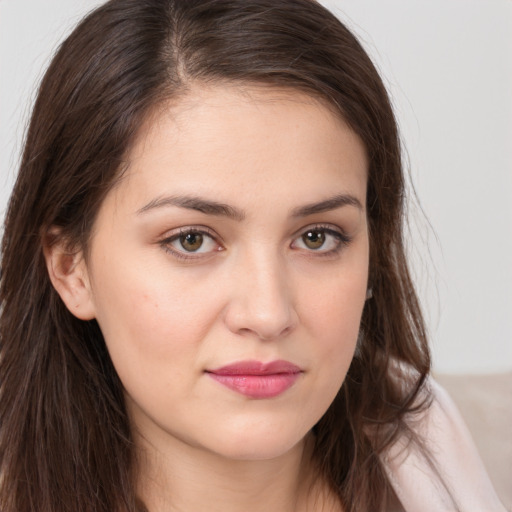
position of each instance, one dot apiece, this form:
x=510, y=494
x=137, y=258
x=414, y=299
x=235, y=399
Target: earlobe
x=69, y=276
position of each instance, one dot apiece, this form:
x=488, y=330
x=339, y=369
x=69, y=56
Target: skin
x=256, y=289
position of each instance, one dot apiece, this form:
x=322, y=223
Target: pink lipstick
x=257, y=380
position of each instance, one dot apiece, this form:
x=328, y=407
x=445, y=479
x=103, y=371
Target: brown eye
x=321, y=240
x=191, y=242
x=313, y=239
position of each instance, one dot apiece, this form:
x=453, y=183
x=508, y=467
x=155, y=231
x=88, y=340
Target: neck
x=187, y=479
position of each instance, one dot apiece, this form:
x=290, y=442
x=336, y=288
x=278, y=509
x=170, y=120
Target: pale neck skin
x=190, y=480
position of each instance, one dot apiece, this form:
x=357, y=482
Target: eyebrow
x=210, y=207
x=195, y=203
x=329, y=204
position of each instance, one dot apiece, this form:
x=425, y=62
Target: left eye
x=319, y=240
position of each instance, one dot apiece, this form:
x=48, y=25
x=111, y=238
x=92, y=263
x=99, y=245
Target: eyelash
x=342, y=241
x=166, y=243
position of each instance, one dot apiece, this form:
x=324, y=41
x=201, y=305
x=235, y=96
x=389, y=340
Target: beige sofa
x=485, y=402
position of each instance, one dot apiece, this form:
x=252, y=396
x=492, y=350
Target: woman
x=205, y=299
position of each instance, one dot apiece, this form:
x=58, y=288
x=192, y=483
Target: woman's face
x=228, y=270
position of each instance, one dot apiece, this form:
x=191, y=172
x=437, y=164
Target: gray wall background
x=448, y=67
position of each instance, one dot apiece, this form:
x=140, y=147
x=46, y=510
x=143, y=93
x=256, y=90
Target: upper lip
x=257, y=368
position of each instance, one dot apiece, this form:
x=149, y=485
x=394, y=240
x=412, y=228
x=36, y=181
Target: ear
x=69, y=276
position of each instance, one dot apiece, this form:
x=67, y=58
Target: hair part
x=65, y=439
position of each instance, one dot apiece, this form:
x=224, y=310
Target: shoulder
x=448, y=475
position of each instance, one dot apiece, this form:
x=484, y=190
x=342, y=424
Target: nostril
x=270, y=326
x=260, y=304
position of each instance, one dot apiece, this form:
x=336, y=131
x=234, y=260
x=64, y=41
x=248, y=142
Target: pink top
x=459, y=482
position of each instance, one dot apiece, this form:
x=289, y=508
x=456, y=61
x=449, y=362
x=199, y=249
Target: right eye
x=188, y=243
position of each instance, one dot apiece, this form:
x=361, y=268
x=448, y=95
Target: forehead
x=242, y=139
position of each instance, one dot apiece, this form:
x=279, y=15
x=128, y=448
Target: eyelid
x=330, y=229
x=173, y=235
x=333, y=230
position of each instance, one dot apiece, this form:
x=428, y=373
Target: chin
x=258, y=451
x=255, y=445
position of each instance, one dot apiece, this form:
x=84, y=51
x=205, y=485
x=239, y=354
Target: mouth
x=257, y=380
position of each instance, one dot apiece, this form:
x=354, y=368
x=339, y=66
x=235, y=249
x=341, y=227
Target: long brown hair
x=65, y=440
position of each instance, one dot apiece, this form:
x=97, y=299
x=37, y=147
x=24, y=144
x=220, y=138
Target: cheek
x=333, y=320
x=154, y=336
x=149, y=318
x=334, y=310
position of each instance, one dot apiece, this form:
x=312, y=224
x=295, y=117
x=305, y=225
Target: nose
x=261, y=302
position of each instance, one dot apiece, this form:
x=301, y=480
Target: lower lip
x=257, y=386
